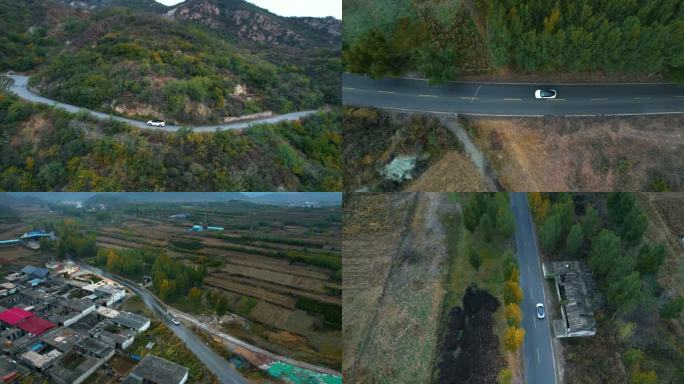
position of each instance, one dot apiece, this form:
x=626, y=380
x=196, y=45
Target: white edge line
x=514, y=83
x=503, y=115
x=476, y=92
x=534, y=235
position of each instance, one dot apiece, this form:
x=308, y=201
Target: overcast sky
x=316, y=8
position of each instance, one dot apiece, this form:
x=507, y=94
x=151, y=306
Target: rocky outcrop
x=330, y=25
x=203, y=11
x=249, y=22
x=253, y=116
x=135, y=109
x=264, y=29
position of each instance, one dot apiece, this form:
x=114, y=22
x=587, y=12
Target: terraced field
x=266, y=262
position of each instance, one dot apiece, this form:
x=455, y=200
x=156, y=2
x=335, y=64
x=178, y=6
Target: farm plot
x=395, y=258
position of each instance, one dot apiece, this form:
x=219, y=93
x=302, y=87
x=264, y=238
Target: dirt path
x=481, y=163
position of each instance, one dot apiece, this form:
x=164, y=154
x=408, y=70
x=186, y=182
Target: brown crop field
x=395, y=263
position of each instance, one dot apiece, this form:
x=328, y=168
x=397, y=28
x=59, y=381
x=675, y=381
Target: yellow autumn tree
x=514, y=275
x=195, y=297
x=512, y=293
x=551, y=21
x=513, y=314
x=539, y=205
x=513, y=338
x=166, y=289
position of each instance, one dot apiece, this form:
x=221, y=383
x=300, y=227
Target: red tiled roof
x=14, y=315
x=35, y=325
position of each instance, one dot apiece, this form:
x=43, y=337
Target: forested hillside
x=437, y=39
x=640, y=38
x=143, y=63
x=617, y=35
x=50, y=150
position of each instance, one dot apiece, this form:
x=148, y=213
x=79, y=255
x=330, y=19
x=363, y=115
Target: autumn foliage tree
x=513, y=314
x=512, y=293
x=195, y=297
x=513, y=338
x=540, y=205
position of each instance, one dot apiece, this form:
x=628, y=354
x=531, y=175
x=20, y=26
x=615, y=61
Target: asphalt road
x=20, y=88
x=538, y=359
x=216, y=364
x=512, y=99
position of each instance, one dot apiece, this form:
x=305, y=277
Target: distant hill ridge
x=238, y=18
x=90, y=198
x=247, y=21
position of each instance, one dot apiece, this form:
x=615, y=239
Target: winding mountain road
x=19, y=87
x=512, y=99
x=538, y=358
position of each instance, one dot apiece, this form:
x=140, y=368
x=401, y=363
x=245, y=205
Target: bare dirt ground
x=583, y=154
x=453, y=172
x=394, y=259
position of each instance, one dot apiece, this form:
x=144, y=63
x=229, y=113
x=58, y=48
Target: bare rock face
x=329, y=25
x=262, y=28
x=136, y=109
x=203, y=11
x=249, y=22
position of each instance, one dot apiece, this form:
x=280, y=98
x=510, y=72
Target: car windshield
x=540, y=311
x=546, y=93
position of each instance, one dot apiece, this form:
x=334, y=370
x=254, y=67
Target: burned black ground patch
x=470, y=351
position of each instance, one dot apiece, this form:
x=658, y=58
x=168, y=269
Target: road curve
x=512, y=99
x=538, y=359
x=216, y=364
x=19, y=87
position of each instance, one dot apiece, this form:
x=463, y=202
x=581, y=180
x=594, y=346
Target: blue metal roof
x=35, y=271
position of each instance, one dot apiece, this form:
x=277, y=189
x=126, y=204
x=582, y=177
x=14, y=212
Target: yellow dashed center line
x=641, y=98
x=469, y=98
x=511, y=98
x=601, y=98
x=349, y=89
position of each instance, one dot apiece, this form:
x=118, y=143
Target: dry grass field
x=583, y=154
x=395, y=263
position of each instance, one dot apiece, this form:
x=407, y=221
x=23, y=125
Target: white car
x=175, y=321
x=540, y=311
x=156, y=123
x=545, y=94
